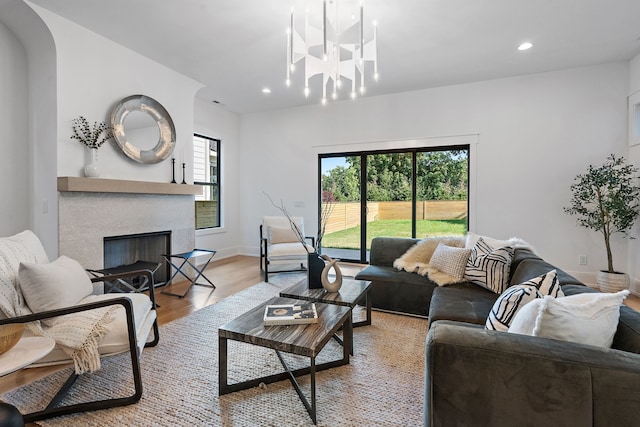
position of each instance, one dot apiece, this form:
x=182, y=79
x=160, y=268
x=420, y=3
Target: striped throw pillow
x=515, y=297
x=489, y=267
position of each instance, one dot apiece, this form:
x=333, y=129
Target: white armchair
x=33, y=290
x=280, y=244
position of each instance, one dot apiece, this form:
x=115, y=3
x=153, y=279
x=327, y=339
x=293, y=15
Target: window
x=206, y=172
x=396, y=193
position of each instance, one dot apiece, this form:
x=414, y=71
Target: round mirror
x=138, y=122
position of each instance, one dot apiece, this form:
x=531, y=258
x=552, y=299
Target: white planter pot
x=612, y=282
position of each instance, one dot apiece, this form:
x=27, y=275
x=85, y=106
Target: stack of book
x=290, y=314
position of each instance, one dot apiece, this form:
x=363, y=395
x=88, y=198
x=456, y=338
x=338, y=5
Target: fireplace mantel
x=100, y=185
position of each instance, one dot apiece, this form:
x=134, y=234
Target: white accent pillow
x=282, y=235
x=515, y=297
x=61, y=283
x=450, y=260
x=587, y=318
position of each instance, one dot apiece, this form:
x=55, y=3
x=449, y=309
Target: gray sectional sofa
x=477, y=377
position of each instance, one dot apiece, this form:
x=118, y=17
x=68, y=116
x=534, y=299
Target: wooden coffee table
x=303, y=340
x=352, y=293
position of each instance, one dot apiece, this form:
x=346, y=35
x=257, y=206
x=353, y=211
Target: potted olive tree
x=605, y=199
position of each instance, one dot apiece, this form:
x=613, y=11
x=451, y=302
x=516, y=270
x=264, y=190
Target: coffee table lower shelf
x=302, y=340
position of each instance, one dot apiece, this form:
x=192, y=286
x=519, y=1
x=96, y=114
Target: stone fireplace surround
x=90, y=209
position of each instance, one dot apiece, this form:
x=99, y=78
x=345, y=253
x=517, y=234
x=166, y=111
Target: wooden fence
x=347, y=215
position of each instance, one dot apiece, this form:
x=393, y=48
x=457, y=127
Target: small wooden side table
x=186, y=259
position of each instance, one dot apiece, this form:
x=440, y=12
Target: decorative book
x=290, y=314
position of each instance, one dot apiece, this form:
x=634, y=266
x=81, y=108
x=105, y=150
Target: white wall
x=216, y=122
x=634, y=158
x=93, y=74
x=14, y=135
x=535, y=134
x=35, y=179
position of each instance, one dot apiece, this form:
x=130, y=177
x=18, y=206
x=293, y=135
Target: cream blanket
x=78, y=334
x=416, y=259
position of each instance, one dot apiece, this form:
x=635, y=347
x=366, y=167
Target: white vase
x=91, y=169
x=328, y=285
x=612, y=282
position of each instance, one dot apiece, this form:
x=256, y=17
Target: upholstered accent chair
x=88, y=325
x=280, y=244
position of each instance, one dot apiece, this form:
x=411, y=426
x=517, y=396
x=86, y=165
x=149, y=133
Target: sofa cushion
x=586, y=318
x=515, y=297
x=531, y=267
x=385, y=250
x=450, y=260
x=463, y=302
x=488, y=267
x=61, y=283
x=377, y=273
x=116, y=338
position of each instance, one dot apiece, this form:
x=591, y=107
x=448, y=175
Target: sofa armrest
x=488, y=378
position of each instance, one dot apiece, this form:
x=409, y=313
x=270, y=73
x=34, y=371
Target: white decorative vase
x=91, y=169
x=612, y=282
x=328, y=285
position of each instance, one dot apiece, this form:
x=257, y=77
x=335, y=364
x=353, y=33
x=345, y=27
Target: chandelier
x=332, y=52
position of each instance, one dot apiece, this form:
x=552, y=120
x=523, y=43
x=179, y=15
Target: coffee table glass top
x=350, y=293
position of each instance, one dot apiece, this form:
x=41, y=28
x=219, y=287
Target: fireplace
x=127, y=249
x=92, y=209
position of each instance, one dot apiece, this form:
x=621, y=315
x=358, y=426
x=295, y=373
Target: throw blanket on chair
x=78, y=334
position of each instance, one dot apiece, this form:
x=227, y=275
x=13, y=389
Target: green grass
x=350, y=238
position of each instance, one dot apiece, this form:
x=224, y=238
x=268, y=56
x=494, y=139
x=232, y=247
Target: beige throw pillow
x=62, y=283
x=282, y=235
x=450, y=260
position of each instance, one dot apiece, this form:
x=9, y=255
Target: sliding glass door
x=399, y=193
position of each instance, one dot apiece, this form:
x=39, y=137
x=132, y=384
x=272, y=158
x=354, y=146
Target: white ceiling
x=237, y=47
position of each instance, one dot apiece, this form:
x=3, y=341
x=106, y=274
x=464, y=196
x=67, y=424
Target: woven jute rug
x=382, y=386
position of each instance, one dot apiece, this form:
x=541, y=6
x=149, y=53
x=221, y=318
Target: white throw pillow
x=473, y=238
x=450, y=260
x=515, y=297
x=488, y=267
x=587, y=318
x=282, y=235
x=61, y=283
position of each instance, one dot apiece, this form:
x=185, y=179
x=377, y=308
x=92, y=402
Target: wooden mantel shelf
x=100, y=185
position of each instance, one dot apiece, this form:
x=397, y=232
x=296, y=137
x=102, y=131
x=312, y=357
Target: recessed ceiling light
x=266, y=90
x=525, y=46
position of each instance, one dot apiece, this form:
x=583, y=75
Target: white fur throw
x=416, y=259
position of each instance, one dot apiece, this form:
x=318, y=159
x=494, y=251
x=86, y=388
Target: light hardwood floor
x=230, y=276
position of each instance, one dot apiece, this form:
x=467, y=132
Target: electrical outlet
x=583, y=260
x=298, y=204
x=45, y=206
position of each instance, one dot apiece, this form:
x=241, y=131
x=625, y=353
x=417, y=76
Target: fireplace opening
x=127, y=249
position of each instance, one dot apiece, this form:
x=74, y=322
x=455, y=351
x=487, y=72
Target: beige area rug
x=382, y=386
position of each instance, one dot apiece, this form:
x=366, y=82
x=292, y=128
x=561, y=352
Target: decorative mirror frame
x=145, y=104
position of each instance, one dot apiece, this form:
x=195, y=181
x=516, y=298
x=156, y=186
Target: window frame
x=215, y=186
